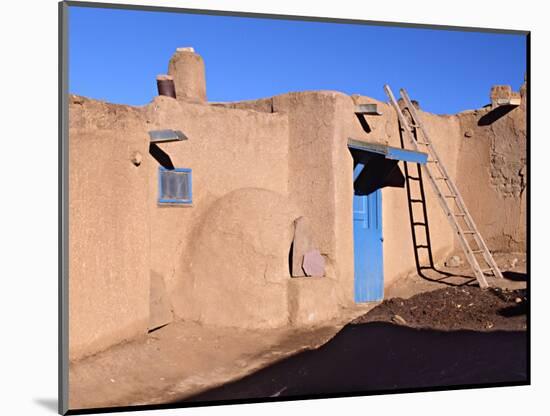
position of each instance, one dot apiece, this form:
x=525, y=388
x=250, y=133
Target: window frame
x=169, y=201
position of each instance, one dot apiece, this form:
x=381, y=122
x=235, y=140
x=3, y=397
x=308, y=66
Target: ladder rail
x=462, y=206
x=465, y=245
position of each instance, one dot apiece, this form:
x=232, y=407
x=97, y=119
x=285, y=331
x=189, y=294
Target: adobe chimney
x=187, y=69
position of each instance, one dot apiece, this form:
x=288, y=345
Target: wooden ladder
x=448, y=195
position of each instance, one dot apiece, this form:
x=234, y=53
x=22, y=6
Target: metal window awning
x=367, y=109
x=166, y=135
x=389, y=152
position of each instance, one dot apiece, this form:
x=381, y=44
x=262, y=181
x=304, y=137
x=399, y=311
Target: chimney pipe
x=165, y=86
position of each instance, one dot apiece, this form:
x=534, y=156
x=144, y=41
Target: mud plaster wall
x=320, y=185
x=108, y=226
x=316, y=150
x=256, y=166
x=444, y=132
x=493, y=174
x=398, y=247
x=227, y=150
x=239, y=262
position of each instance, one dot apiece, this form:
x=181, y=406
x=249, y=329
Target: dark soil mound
x=455, y=308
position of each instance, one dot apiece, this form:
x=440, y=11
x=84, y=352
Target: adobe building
x=242, y=214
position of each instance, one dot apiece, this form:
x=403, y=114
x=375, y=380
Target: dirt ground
x=513, y=266
x=455, y=308
x=381, y=357
x=443, y=331
x=184, y=360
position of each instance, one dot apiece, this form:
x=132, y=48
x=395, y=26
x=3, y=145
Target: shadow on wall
x=420, y=224
x=364, y=124
x=495, y=114
x=160, y=156
x=380, y=173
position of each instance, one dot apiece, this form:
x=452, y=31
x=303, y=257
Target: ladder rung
x=424, y=143
x=458, y=214
x=487, y=270
x=414, y=178
x=419, y=223
x=417, y=200
x=441, y=178
x=450, y=196
x=468, y=232
x=477, y=251
x=433, y=161
x=422, y=246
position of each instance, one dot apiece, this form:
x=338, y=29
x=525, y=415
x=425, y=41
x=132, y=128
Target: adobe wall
x=228, y=150
x=398, y=247
x=256, y=167
x=109, y=253
x=444, y=132
x=320, y=185
x=313, y=161
x=318, y=160
x=493, y=173
x=120, y=236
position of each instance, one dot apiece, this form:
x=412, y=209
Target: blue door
x=367, y=244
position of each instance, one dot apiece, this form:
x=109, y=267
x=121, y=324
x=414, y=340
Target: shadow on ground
x=515, y=276
x=380, y=356
x=446, y=278
x=49, y=404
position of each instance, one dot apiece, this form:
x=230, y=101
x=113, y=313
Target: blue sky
x=115, y=55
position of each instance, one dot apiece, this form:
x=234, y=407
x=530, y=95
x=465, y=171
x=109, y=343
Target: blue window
x=175, y=186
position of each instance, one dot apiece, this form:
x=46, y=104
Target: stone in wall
x=492, y=173
x=300, y=245
x=508, y=174
x=313, y=264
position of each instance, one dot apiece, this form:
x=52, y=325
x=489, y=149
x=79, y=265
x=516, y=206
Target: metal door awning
x=389, y=152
